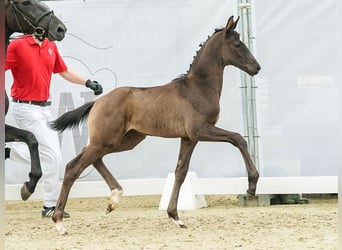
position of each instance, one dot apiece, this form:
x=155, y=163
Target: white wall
x=298, y=90
x=146, y=43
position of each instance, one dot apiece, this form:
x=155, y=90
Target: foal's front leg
x=213, y=133
x=185, y=153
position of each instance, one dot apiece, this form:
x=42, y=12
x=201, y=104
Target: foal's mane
x=196, y=56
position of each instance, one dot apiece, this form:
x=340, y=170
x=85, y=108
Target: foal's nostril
x=258, y=67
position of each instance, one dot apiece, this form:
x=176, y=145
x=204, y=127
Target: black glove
x=95, y=86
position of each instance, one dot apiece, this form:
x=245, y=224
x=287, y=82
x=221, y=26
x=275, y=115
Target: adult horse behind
x=31, y=17
x=187, y=108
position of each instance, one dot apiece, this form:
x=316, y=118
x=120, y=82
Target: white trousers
x=34, y=119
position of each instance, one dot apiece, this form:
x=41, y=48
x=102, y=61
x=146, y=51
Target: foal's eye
x=26, y=2
x=238, y=45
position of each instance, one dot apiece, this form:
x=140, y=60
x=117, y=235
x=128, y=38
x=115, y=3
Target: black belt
x=42, y=103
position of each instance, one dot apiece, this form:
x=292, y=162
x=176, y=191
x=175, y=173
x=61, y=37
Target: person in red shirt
x=32, y=62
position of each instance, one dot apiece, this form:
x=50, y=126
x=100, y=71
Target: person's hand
x=95, y=86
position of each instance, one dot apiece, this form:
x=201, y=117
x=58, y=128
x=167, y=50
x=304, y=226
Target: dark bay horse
x=29, y=17
x=187, y=108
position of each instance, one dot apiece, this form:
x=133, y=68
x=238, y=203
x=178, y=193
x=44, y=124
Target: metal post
x=248, y=84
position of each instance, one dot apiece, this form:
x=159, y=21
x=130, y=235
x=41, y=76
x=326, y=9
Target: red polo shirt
x=32, y=67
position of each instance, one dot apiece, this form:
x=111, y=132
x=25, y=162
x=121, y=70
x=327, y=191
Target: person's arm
x=73, y=77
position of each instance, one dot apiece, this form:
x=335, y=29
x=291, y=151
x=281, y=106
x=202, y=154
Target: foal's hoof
x=114, y=200
x=109, y=208
x=179, y=223
x=61, y=230
x=24, y=192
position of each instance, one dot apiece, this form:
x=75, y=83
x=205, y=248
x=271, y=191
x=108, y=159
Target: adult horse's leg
x=186, y=149
x=6, y=103
x=217, y=134
x=15, y=134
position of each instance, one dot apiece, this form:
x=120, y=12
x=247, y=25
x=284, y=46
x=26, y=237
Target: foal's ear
x=231, y=25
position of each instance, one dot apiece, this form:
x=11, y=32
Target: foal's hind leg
x=185, y=153
x=128, y=142
x=112, y=183
x=72, y=171
x=15, y=134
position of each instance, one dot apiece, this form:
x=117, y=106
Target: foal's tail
x=72, y=118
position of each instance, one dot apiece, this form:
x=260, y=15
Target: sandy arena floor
x=138, y=224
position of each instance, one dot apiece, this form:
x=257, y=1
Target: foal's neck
x=207, y=68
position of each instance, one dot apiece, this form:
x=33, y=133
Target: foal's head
x=235, y=52
x=33, y=17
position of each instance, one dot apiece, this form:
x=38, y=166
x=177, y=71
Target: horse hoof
x=182, y=226
x=179, y=223
x=114, y=200
x=61, y=230
x=24, y=192
x=109, y=208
